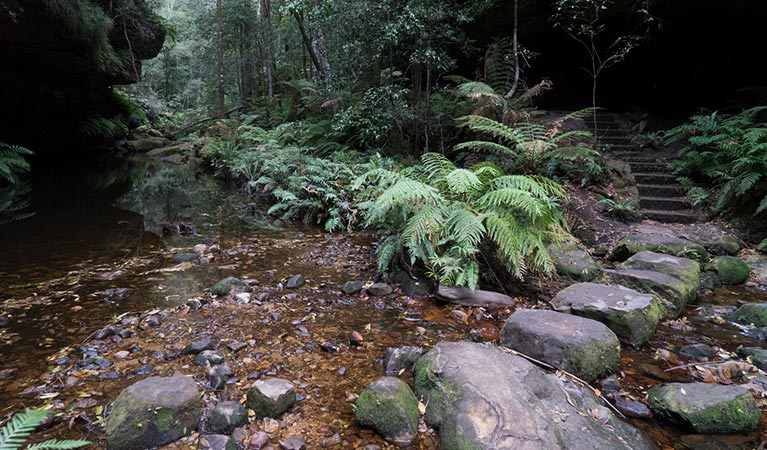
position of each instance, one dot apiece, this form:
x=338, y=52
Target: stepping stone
x=631, y=315
x=684, y=269
x=635, y=243
x=573, y=262
x=584, y=347
x=707, y=408
x=673, y=293
x=226, y=417
x=758, y=356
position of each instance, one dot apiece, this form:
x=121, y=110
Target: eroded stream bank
x=67, y=283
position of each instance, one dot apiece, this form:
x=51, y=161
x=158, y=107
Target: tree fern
x=16, y=431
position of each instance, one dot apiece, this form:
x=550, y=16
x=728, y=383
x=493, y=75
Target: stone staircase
x=661, y=198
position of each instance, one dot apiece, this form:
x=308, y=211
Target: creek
x=82, y=263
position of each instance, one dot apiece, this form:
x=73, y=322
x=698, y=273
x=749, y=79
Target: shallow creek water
x=57, y=270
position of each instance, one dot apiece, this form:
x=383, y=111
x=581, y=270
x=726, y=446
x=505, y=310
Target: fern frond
x=19, y=428
x=58, y=444
x=462, y=181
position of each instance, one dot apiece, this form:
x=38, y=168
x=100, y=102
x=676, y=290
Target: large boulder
x=637, y=242
x=573, y=262
x=153, y=412
x=481, y=397
x=673, y=293
x=685, y=269
x=584, y=347
x=730, y=270
x=707, y=408
x=632, y=315
x=467, y=297
x=390, y=407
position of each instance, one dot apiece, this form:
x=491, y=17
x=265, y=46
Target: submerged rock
x=271, y=397
x=670, y=245
x=630, y=314
x=584, y=347
x=707, y=408
x=467, y=297
x=573, y=262
x=390, y=407
x=730, y=270
x=379, y=289
x=295, y=282
x=153, y=412
x=481, y=397
x=352, y=287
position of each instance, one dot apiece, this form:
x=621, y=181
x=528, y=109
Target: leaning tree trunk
x=220, y=48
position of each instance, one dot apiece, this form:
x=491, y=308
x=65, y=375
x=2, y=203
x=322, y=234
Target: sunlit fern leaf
x=58, y=444
x=461, y=182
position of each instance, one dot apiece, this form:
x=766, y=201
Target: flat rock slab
x=631, y=315
x=673, y=293
x=685, y=269
x=670, y=245
x=584, y=347
x=707, y=408
x=481, y=397
x=271, y=397
x=153, y=412
x=715, y=239
x=467, y=297
x=573, y=262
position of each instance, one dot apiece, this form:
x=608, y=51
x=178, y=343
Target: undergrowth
x=16, y=431
x=14, y=190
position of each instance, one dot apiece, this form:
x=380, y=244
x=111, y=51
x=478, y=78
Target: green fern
x=453, y=220
x=16, y=431
x=532, y=148
x=625, y=211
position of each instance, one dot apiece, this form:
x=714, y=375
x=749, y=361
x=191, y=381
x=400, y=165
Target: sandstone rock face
x=153, y=412
x=480, y=397
x=671, y=291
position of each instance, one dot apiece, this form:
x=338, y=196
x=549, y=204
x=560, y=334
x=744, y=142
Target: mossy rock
x=685, y=269
x=153, y=412
x=390, y=407
x=730, y=270
x=635, y=243
x=673, y=292
x=707, y=408
x=752, y=313
x=225, y=286
x=226, y=417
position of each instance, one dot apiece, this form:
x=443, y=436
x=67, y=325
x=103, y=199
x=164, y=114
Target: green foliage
x=16, y=431
x=371, y=120
x=454, y=220
x=729, y=153
x=531, y=148
x=623, y=210
x=293, y=182
x=14, y=191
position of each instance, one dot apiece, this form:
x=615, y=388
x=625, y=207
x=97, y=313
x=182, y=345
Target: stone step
x=681, y=216
x=613, y=139
x=614, y=148
x=664, y=203
x=661, y=190
x=638, y=157
x=654, y=178
x=649, y=167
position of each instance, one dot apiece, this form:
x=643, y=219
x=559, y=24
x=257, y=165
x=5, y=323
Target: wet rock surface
x=480, y=397
x=707, y=408
x=271, y=398
x=389, y=406
x=573, y=262
x=467, y=297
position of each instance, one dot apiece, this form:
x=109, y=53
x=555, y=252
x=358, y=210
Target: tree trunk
x=220, y=48
x=307, y=42
x=246, y=49
x=266, y=21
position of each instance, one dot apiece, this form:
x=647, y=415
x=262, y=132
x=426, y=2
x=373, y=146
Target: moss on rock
x=389, y=406
x=730, y=270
